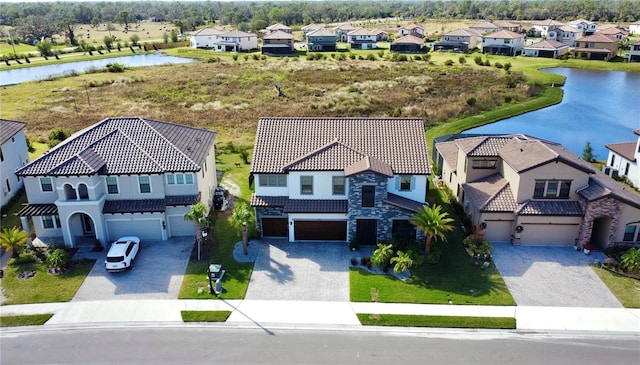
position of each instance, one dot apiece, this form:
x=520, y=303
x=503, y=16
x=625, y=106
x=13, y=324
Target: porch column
x=24, y=222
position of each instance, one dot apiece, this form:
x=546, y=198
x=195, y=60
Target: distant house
x=120, y=177
x=278, y=43
x=412, y=29
x=526, y=190
x=381, y=35
x=278, y=27
x=634, y=52
x=342, y=31
x=223, y=40
x=408, y=44
x=339, y=179
x=547, y=48
x=485, y=27
x=310, y=28
x=503, y=24
x=504, y=42
x=462, y=40
x=624, y=160
x=13, y=155
x=596, y=47
x=565, y=34
x=321, y=40
x=541, y=28
x=634, y=28
x=615, y=32
x=362, y=38
x=587, y=27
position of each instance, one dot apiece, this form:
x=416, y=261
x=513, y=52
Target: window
x=112, y=184
x=171, y=179
x=145, y=184
x=180, y=179
x=6, y=181
x=368, y=195
x=1, y=155
x=483, y=164
x=51, y=221
x=552, y=189
x=306, y=185
x=273, y=180
x=613, y=160
x=46, y=184
x=626, y=169
x=188, y=179
x=630, y=233
x=338, y=185
x=405, y=183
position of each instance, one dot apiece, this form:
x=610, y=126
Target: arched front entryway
x=82, y=229
x=600, y=232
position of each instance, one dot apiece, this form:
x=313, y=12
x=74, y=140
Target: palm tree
x=12, y=239
x=198, y=214
x=241, y=217
x=382, y=254
x=402, y=261
x=433, y=222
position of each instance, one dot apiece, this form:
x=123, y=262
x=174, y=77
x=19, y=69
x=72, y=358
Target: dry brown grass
x=229, y=97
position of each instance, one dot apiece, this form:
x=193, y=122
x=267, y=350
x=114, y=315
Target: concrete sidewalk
x=261, y=313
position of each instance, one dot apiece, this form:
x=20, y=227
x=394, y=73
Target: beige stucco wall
x=523, y=189
x=629, y=215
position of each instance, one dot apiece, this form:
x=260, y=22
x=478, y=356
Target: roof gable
x=409, y=39
x=598, y=38
x=504, y=34
x=278, y=34
x=9, y=128
x=371, y=164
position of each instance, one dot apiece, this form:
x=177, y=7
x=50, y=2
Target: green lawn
x=626, y=289
x=43, y=287
x=403, y=320
x=205, y=316
x=25, y=320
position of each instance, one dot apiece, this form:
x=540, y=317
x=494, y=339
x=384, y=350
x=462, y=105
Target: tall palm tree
x=12, y=239
x=241, y=217
x=434, y=222
x=198, y=214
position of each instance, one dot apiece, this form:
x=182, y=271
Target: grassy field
x=25, y=320
x=401, y=320
x=626, y=289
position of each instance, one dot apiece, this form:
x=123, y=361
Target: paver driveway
x=157, y=273
x=552, y=276
x=309, y=271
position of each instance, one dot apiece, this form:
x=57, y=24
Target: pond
x=601, y=107
x=11, y=77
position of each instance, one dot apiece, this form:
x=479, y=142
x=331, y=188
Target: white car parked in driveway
x=122, y=253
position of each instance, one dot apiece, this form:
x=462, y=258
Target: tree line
x=35, y=21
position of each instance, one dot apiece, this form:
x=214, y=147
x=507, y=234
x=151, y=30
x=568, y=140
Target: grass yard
x=401, y=320
x=43, y=287
x=627, y=290
x=204, y=316
x=25, y=320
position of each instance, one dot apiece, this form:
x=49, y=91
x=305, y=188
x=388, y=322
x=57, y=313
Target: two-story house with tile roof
x=597, y=46
x=634, y=52
x=624, y=160
x=542, y=27
x=634, y=28
x=339, y=178
x=485, y=27
x=412, y=29
x=527, y=190
x=504, y=42
x=119, y=177
x=586, y=26
x=462, y=40
x=547, y=48
x=13, y=155
x=278, y=43
x=362, y=38
x=279, y=27
x=224, y=40
x=321, y=40
x=565, y=34
x=342, y=31
x=407, y=44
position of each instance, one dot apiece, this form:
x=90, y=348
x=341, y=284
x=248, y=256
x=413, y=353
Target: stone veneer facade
x=268, y=212
x=601, y=208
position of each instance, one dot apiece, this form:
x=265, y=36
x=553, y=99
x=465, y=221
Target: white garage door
x=179, y=227
x=498, y=231
x=144, y=229
x=549, y=234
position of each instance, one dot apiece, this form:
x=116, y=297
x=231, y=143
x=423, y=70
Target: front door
x=87, y=225
x=367, y=232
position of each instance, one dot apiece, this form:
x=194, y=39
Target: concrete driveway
x=552, y=276
x=157, y=273
x=308, y=271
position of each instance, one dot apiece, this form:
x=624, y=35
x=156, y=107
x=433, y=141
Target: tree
x=587, y=153
x=134, y=39
x=382, y=254
x=123, y=18
x=198, y=214
x=68, y=27
x=45, y=48
x=12, y=239
x=240, y=218
x=108, y=41
x=402, y=261
x=174, y=35
x=433, y=222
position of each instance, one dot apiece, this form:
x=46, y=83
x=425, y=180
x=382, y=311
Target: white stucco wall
x=15, y=155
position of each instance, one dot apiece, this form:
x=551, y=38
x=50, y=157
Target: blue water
x=601, y=107
x=19, y=75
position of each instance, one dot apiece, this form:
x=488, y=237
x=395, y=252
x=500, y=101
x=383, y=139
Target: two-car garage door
x=320, y=230
x=549, y=234
x=149, y=229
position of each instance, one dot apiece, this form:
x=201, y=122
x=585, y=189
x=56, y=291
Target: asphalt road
x=210, y=344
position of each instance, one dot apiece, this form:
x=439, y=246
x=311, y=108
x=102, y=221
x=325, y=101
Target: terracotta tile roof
x=321, y=32
x=505, y=24
x=504, y=34
x=613, y=31
x=548, y=22
x=316, y=206
x=399, y=143
x=449, y=152
x=485, y=25
x=134, y=206
x=369, y=163
x=402, y=202
x=483, y=145
x=345, y=26
x=411, y=39
x=463, y=33
x=128, y=145
x=278, y=26
x=598, y=38
x=311, y=27
x=526, y=153
x=412, y=26
x=578, y=21
x=31, y=210
x=547, y=44
x=268, y=201
x=550, y=208
x=208, y=32
x=362, y=31
x=491, y=194
x=602, y=186
x=9, y=128
x=624, y=149
x=278, y=34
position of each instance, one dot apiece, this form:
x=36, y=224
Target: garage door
x=179, y=227
x=549, y=234
x=275, y=227
x=320, y=230
x=498, y=231
x=145, y=229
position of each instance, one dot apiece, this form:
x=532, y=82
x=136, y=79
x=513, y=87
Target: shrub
x=371, y=57
x=507, y=66
x=471, y=101
x=381, y=256
x=498, y=65
x=507, y=99
x=115, y=67
x=25, y=258
x=448, y=62
x=487, y=63
x=244, y=155
x=59, y=134
x=477, y=245
x=630, y=260
x=58, y=259
x=478, y=61
x=462, y=60
x=234, y=56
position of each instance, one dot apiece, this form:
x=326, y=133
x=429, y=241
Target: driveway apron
x=552, y=276
x=157, y=273
x=307, y=271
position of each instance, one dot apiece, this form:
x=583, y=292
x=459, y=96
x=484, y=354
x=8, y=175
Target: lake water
x=19, y=75
x=601, y=107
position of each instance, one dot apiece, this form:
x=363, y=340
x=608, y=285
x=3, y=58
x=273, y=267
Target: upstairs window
x=483, y=164
x=46, y=184
x=279, y=180
x=180, y=179
x=338, y=185
x=405, y=183
x=306, y=185
x=145, y=184
x=368, y=195
x=550, y=189
x=112, y=184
